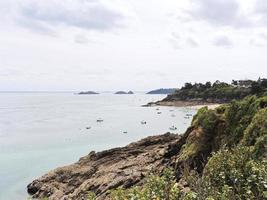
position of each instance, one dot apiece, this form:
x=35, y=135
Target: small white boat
x=143, y=122
x=173, y=128
x=99, y=120
x=125, y=132
x=88, y=127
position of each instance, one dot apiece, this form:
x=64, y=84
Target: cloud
x=222, y=41
x=261, y=11
x=37, y=26
x=263, y=36
x=261, y=6
x=179, y=42
x=191, y=42
x=84, y=14
x=259, y=41
x=81, y=39
x=219, y=13
x=175, y=35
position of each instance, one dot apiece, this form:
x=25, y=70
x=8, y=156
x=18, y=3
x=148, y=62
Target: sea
x=40, y=131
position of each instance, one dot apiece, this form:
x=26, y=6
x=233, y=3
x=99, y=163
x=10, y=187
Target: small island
x=88, y=92
x=123, y=92
x=162, y=91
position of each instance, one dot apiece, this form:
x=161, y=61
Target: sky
x=107, y=45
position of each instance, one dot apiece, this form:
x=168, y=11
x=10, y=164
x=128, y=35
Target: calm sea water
x=42, y=131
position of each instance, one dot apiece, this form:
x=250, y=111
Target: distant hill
x=88, y=92
x=123, y=92
x=162, y=91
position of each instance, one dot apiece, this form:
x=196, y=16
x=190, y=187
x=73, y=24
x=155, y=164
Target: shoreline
x=192, y=104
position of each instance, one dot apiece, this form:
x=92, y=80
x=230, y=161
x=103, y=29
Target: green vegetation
x=231, y=174
x=236, y=169
x=219, y=91
x=232, y=142
x=155, y=187
x=224, y=157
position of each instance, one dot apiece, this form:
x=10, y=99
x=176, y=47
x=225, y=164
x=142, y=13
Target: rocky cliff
x=102, y=171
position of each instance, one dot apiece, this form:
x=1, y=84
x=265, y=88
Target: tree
x=255, y=87
x=208, y=84
x=187, y=86
x=234, y=82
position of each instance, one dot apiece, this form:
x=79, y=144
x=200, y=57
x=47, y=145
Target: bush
x=206, y=119
x=235, y=173
x=256, y=129
x=155, y=188
x=239, y=115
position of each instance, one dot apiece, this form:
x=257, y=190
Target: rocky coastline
x=106, y=170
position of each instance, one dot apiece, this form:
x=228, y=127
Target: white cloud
x=48, y=16
x=263, y=36
x=219, y=12
x=223, y=41
x=81, y=39
x=259, y=40
x=261, y=11
x=179, y=42
x=192, y=42
x=261, y=6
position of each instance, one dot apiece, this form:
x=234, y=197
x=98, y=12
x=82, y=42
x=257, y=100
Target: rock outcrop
x=106, y=170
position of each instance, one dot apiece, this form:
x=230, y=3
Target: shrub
x=257, y=128
x=205, y=118
x=235, y=173
x=155, y=188
x=239, y=115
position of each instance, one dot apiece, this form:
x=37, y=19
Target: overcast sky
x=129, y=44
